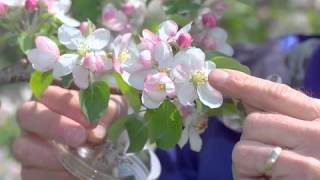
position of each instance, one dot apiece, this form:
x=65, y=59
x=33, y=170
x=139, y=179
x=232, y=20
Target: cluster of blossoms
x=126, y=18
x=206, y=32
x=58, y=8
x=163, y=65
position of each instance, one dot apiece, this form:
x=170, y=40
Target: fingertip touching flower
x=3, y=9
x=156, y=88
x=32, y=5
x=209, y=20
x=184, y=40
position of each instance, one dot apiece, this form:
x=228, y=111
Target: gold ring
x=272, y=159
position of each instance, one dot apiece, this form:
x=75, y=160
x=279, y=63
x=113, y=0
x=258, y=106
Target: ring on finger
x=272, y=159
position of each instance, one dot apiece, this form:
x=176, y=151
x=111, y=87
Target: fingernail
x=97, y=134
x=75, y=136
x=218, y=77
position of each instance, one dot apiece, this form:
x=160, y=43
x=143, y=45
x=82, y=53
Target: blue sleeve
x=213, y=162
x=312, y=77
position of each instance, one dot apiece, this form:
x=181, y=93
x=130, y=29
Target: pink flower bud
x=209, y=20
x=94, y=63
x=31, y=5
x=109, y=14
x=84, y=27
x=184, y=40
x=3, y=9
x=128, y=8
x=47, y=45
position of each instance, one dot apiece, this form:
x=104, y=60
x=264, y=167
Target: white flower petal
x=163, y=55
x=180, y=74
x=81, y=76
x=41, y=60
x=69, y=36
x=136, y=79
x=186, y=93
x=13, y=2
x=155, y=166
x=68, y=20
x=150, y=102
x=62, y=6
x=195, y=140
x=218, y=34
x=65, y=65
x=209, y=65
x=197, y=58
x=209, y=96
x=184, y=137
x=225, y=49
x=99, y=39
x=167, y=29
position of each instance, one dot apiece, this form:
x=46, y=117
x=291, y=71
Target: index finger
x=265, y=95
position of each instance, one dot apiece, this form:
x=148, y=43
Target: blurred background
x=246, y=21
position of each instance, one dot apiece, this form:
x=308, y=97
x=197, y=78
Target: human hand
x=278, y=116
x=57, y=116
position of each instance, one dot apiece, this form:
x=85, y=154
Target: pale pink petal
x=81, y=76
x=99, y=39
x=195, y=140
x=168, y=29
x=163, y=55
x=114, y=19
x=137, y=79
x=197, y=58
x=186, y=93
x=70, y=37
x=148, y=102
x=65, y=65
x=41, y=60
x=47, y=45
x=184, y=137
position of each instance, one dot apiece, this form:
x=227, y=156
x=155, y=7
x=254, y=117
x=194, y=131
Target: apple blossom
x=168, y=30
x=156, y=88
x=84, y=27
x=32, y=5
x=59, y=8
x=86, y=60
x=115, y=19
x=3, y=9
x=184, y=40
x=209, y=20
x=149, y=40
x=45, y=56
x=190, y=75
x=193, y=127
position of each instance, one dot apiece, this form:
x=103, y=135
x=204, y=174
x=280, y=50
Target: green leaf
x=224, y=62
x=94, y=101
x=226, y=109
x=39, y=82
x=165, y=125
x=138, y=134
x=67, y=81
x=84, y=10
x=131, y=94
x=25, y=42
x=117, y=127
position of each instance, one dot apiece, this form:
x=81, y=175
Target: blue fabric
x=312, y=78
x=214, y=160
x=212, y=163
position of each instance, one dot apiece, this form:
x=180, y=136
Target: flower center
x=161, y=87
x=202, y=125
x=83, y=49
x=124, y=56
x=199, y=77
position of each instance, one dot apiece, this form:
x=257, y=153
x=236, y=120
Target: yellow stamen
x=124, y=56
x=161, y=87
x=83, y=49
x=110, y=55
x=199, y=77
